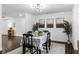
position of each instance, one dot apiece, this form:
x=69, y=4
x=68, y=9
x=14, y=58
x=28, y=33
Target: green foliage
x=67, y=27
x=35, y=27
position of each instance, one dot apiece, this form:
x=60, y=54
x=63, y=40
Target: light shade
x=38, y=6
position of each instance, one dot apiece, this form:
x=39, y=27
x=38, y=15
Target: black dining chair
x=29, y=32
x=47, y=44
x=49, y=40
x=28, y=43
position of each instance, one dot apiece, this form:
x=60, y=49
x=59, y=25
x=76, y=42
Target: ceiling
x=16, y=9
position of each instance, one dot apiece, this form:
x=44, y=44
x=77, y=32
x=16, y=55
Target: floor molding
x=59, y=42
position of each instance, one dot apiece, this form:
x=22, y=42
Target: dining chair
x=28, y=43
x=47, y=44
x=29, y=32
x=49, y=40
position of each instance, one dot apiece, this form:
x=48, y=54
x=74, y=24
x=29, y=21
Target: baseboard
x=59, y=42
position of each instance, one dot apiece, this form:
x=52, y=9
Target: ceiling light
x=38, y=6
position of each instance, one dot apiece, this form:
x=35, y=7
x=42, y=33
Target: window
x=59, y=22
x=41, y=23
x=50, y=22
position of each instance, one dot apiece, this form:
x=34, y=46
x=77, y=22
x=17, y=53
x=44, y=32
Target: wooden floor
x=68, y=48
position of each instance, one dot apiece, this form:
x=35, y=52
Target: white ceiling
x=16, y=9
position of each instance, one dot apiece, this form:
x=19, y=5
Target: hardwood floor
x=68, y=48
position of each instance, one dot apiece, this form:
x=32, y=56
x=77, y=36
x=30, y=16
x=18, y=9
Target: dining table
x=39, y=41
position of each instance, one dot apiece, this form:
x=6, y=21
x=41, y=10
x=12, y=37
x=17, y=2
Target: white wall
x=0, y=27
x=56, y=33
x=22, y=24
x=75, y=26
x=29, y=22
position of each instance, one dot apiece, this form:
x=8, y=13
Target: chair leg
x=49, y=43
x=39, y=51
x=23, y=50
x=31, y=50
x=46, y=48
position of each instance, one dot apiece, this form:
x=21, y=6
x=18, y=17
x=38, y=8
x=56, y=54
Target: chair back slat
x=27, y=39
x=48, y=36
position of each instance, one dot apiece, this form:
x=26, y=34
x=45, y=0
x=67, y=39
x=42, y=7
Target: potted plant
x=67, y=29
x=35, y=27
